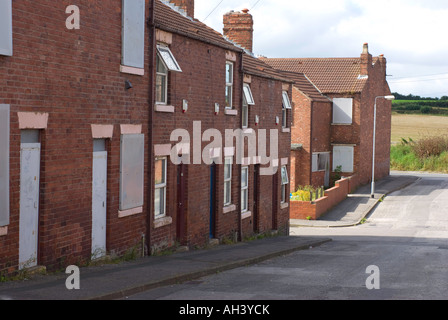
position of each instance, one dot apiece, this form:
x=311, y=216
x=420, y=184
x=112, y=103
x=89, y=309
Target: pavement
x=117, y=281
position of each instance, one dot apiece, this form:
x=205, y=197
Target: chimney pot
x=245, y=10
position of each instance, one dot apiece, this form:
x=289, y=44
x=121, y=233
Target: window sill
x=132, y=70
x=3, y=231
x=229, y=208
x=245, y=215
x=231, y=112
x=164, y=108
x=342, y=124
x=286, y=130
x=284, y=205
x=130, y=212
x=163, y=221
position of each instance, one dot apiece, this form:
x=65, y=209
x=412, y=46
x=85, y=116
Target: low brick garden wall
x=315, y=209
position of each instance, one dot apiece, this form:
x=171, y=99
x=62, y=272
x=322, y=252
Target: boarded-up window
x=343, y=156
x=319, y=161
x=132, y=171
x=343, y=110
x=6, y=27
x=4, y=164
x=133, y=49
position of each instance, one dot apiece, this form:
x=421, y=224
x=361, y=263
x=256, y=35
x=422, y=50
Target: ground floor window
x=160, y=187
x=285, y=182
x=244, y=189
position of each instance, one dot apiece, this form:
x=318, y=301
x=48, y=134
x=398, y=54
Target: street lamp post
x=389, y=98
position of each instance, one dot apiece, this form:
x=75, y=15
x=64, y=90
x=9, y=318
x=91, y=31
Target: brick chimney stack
x=186, y=5
x=366, y=60
x=239, y=28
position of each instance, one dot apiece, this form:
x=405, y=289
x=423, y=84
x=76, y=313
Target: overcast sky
x=412, y=34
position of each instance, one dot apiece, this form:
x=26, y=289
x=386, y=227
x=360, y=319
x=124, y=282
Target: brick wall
x=202, y=84
x=314, y=210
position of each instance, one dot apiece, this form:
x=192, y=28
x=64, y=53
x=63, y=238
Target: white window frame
x=229, y=86
x=228, y=181
x=316, y=161
x=286, y=104
x=163, y=75
x=168, y=58
x=6, y=46
x=337, y=159
x=161, y=186
x=286, y=101
x=342, y=111
x=165, y=58
x=244, y=190
x=248, y=94
x=285, y=182
x=245, y=114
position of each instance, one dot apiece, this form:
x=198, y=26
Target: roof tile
x=330, y=75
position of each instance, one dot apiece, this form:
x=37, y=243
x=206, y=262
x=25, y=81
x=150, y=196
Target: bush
x=430, y=146
x=427, y=154
x=426, y=109
x=307, y=193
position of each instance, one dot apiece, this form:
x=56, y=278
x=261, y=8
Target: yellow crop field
x=416, y=126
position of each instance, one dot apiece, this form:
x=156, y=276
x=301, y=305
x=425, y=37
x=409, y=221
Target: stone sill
x=161, y=222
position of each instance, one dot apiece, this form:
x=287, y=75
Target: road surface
x=401, y=252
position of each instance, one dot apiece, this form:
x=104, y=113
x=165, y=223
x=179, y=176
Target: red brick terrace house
x=206, y=186
x=352, y=84
x=74, y=130
x=112, y=133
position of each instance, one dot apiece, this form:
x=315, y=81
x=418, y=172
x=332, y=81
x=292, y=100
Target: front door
x=29, y=204
x=212, y=199
x=99, y=205
x=181, y=203
x=256, y=220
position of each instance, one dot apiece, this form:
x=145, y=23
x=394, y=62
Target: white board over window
x=343, y=156
x=133, y=33
x=4, y=164
x=132, y=171
x=343, y=110
x=6, y=27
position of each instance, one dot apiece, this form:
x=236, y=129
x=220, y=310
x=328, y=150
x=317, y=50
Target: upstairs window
x=286, y=104
x=165, y=62
x=161, y=82
x=133, y=47
x=229, y=85
x=248, y=95
x=6, y=27
x=342, y=111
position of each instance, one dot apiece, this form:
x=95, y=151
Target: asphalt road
x=404, y=241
